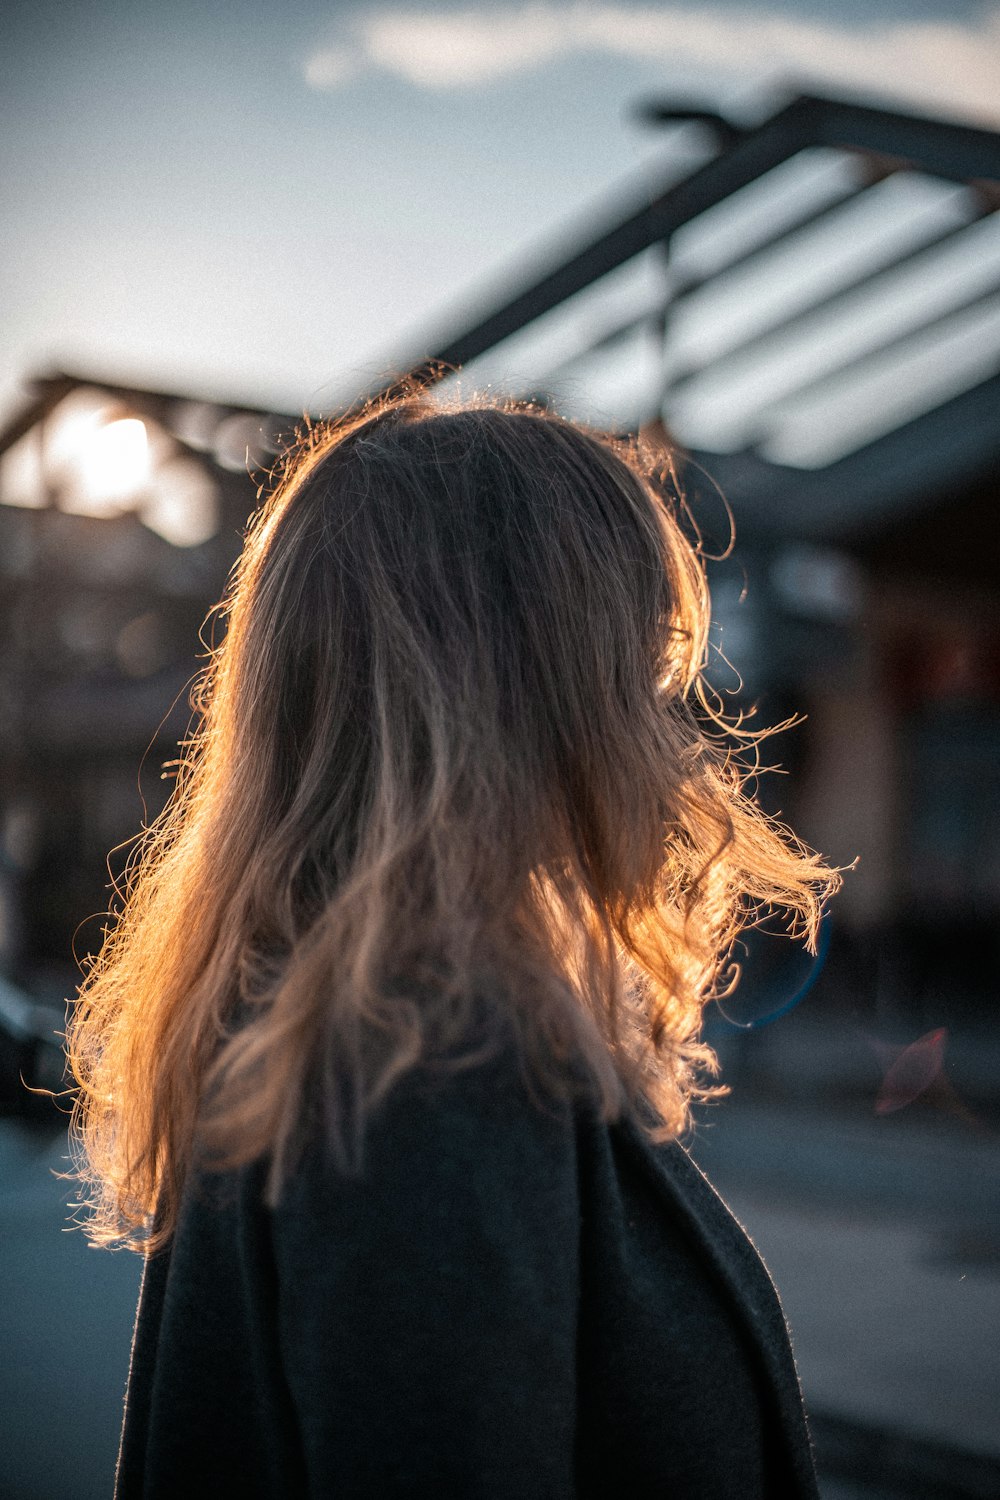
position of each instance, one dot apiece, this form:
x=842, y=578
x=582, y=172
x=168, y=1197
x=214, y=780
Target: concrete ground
x=65, y=1328
x=882, y=1236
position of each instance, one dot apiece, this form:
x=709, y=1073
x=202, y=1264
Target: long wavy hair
x=454, y=771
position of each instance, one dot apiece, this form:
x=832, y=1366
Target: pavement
x=882, y=1235
x=883, y=1238
x=65, y=1328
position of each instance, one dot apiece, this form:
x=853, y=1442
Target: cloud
x=950, y=64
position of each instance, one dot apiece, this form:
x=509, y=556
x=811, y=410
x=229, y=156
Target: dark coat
x=508, y=1304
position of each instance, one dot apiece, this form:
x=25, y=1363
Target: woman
x=384, y=1064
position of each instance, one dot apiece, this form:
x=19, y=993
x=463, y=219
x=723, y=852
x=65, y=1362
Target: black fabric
x=508, y=1302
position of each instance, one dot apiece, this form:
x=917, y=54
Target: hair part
x=455, y=769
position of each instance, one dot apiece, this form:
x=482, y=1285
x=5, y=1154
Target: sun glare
x=96, y=460
x=115, y=461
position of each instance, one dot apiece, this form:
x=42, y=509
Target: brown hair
x=450, y=750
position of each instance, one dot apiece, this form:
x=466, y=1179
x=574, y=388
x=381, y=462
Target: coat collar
x=730, y=1252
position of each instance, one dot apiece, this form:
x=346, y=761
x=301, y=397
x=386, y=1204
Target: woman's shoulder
x=447, y=1127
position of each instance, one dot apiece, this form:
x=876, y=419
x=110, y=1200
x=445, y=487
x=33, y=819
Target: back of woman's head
x=451, y=765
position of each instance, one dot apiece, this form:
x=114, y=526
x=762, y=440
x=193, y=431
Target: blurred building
x=810, y=320
x=121, y=513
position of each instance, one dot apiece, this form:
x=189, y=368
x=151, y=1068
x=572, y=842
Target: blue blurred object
x=776, y=976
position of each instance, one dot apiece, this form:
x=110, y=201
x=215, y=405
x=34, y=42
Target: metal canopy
x=871, y=305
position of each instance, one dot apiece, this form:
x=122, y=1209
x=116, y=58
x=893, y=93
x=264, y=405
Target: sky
x=280, y=203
